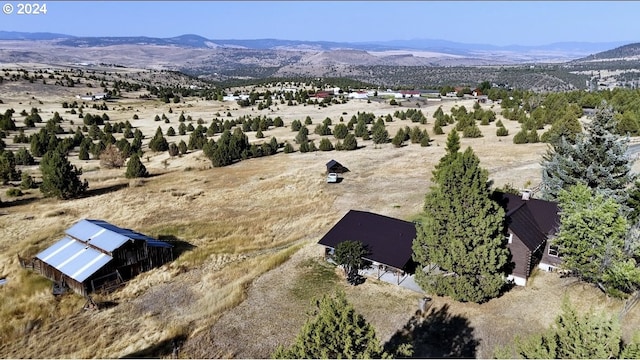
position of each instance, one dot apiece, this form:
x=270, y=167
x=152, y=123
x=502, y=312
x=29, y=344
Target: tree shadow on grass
x=103, y=190
x=19, y=201
x=438, y=335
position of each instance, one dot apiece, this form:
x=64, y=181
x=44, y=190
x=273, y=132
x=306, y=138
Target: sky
x=477, y=22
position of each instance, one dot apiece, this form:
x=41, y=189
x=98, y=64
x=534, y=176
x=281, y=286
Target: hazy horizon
x=498, y=23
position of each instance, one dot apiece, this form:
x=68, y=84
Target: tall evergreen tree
x=591, y=240
x=598, y=159
x=336, y=332
x=59, y=178
x=460, y=246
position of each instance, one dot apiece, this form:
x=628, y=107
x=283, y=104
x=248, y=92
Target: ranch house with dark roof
x=388, y=241
x=95, y=254
x=530, y=224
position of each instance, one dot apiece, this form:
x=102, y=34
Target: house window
x=553, y=250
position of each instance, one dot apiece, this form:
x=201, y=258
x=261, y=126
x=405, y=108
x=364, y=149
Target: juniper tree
x=23, y=157
x=340, y=131
x=135, y=168
x=598, y=159
x=325, y=145
x=575, y=336
x=59, y=178
x=288, y=148
x=182, y=146
x=337, y=331
x=158, y=142
x=302, y=136
x=361, y=129
x=8, y=170
x=460, y=246
x=350, y=142
x=349, y=254
x=379, y=133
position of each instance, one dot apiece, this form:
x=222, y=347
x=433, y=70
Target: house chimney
x=526, y=194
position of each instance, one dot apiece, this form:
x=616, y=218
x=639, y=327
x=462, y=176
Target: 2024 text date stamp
x=26, y=8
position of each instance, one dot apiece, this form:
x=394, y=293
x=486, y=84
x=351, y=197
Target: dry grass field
x=249, y=267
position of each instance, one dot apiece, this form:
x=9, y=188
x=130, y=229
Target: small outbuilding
x=335, y=167
x=95, y=255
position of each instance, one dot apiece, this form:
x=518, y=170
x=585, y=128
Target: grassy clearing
x=315, y=278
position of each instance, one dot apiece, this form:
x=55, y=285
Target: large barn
x=387, y=239
x=95, y=254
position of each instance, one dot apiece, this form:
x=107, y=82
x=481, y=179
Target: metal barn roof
x=87, y=247
x=74, y=259
x=106, y=236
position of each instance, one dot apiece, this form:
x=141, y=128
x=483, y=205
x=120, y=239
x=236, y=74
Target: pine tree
x=591, y=240
x=59, y=178
x=337, y=331
x=598, y=159
x=460, y=246
x=135, y=168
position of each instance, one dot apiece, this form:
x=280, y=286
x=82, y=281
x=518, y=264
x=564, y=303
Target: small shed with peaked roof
x=95, y=254
x=335, y=167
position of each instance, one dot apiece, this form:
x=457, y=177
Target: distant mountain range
x=555, y=51
x=400, y=62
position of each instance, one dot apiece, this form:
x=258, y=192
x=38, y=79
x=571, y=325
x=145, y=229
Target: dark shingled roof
x=336, y=167
x=531, y=220
x=388, y=240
